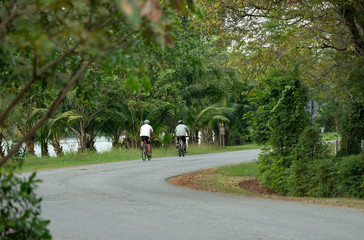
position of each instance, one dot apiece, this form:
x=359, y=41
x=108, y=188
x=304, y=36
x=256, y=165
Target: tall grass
x=33, y=163
x=240, y=170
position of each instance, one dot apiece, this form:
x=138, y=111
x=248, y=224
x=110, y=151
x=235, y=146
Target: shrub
x=20, y=209
x=350, y=172
x=311, y=171
x=279, y=117
x=273, y=168
x=323, y=178
x=351, y=129
x=308, y=170
x=305, y=170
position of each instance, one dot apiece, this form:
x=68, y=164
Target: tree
x=65, y=39
x=279, y=116
x=324, y=38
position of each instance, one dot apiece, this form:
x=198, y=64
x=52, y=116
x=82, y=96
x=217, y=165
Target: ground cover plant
x=243, y=179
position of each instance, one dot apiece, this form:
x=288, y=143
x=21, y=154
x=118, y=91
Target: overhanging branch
x=35, y=76
x=52, y=109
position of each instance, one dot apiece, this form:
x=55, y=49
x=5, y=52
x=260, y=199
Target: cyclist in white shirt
x=145, y=131
x=181, y=131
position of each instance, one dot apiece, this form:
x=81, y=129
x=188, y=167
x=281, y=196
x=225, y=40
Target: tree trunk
x=205, y=135
x=43, y=145
x=90, y=142
x=57, y=148
x=209, y=135
x=226, y=137
x=56, y=145
x=2, y=152
x=195, y=136
x=82, y=138
x=114, y=140
x=29, y=145
x=135, y=142
x=128, y=142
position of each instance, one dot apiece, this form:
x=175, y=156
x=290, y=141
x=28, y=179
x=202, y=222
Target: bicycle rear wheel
x=144, y=152
x=180, y=148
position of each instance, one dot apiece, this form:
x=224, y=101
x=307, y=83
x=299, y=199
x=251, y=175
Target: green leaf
x=132, y=82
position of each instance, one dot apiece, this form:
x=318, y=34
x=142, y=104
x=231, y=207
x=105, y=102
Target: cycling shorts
x=182, y=137
x=145, y=138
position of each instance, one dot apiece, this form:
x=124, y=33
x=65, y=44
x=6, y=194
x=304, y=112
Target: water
x=102, y=144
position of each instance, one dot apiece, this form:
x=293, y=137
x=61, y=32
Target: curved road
x=132, y=200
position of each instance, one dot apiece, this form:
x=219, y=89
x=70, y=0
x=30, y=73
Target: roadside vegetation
x=34, y=163
x=236, y=72
x=243, y=179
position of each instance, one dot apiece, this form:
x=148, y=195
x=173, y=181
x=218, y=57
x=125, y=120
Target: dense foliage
x=20, y=209
x=89, y=68
x=309, y=170
x=279, y=117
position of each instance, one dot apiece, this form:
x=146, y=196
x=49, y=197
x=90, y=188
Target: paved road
x=132, y=200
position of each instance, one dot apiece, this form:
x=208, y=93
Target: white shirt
x=181, y=130
x=145, y=130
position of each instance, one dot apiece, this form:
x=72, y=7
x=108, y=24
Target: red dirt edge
x=196, y=180
x=199, y=181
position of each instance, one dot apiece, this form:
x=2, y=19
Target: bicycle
x=145, y=151
x=180, y=145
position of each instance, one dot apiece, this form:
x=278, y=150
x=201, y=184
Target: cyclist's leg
x=148, y=146
x=184, y=143
x=143, y=142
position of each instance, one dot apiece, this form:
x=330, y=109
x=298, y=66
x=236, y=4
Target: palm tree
x=58, y=127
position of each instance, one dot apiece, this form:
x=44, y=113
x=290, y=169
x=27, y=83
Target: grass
x=33, y=163
x=226, y=179
x=330, y=136
x=240, y=170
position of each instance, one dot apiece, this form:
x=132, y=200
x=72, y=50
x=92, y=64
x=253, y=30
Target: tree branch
x=8, y=19
x=5, y=113
x=61, y=96
x=348, y=13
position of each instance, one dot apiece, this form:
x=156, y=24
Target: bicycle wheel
x=144, y=152
x=180, y=148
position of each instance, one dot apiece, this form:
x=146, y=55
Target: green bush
x=20, y=209
x=311, y=171
x=273, y=169
x=298, y=181
x=278, y=116
x=351, y=129
x=308, y=170
x=350, y=172
x=323, y=178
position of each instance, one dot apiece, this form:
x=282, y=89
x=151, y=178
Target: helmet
x=180, y=122
x=146, y=121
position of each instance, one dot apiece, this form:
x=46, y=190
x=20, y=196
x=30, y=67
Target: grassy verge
x=227, y=178
x=330, y=136
x=32, y=163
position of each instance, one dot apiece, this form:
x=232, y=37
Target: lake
x=102, y=144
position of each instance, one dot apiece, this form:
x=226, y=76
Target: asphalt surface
x=132, y=200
